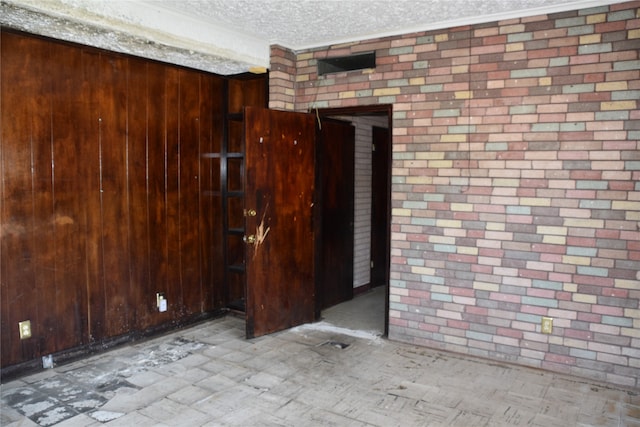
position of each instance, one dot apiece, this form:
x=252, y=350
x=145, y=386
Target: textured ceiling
x=232, y=36
x=299, y=24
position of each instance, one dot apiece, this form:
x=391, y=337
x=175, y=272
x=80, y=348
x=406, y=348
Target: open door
x=279, y=215
x=336, y=151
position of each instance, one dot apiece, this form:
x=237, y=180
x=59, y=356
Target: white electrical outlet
x=161, y=302
x=47, y=362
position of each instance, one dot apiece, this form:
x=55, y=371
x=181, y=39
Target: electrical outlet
x=547, y=325
x=47, y=361
x=25, y=329
x=161, y=302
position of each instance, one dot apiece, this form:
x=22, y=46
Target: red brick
x=533, y=309
x=543, y=53
x=589, y=317
x=606, y=27
x=607, y=310
x=578, y=334
x=562, y=296
x=585, y=59
x=593, y=280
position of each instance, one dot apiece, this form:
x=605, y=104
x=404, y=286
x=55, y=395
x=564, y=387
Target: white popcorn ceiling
x=299, y=24
x=231, y=36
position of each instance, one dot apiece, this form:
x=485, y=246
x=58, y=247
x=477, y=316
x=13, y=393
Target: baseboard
x=70, y=355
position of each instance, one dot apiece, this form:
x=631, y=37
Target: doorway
x=269, y=206
x=369, y=306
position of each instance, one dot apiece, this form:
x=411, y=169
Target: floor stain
x=84, y=391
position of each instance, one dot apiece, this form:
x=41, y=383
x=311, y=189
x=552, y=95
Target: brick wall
x=516, y=184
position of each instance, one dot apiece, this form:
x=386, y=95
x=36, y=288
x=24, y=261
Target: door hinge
x=371, y=264
x=373, y=147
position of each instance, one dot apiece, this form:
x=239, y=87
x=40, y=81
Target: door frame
x=372, y=110
x=381, y=149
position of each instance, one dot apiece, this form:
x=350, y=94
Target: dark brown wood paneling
x=66, y=322
x=89, y=174
x=43, y=243
x=189, y=188
x=107, y=197
x=114, y=198
x=21, y=132
x=250, y=90
x=142, y=295
x=172, y=194
x=158, y=109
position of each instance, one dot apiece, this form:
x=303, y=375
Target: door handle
x=250, y=212
x=251, y=239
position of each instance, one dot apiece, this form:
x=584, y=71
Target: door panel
x=336, y=151
x=280, y=175
x=380, y=207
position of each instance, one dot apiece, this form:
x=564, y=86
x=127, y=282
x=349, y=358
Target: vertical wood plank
x=112, y=94
x=42, y=234
x=22, y=132
x=142, y=296
x=189, y=192
x=66, y=321
x=172, y=193
x=157, y=81
x=89, y=173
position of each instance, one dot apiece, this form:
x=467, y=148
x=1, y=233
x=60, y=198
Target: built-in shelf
x=238, y=268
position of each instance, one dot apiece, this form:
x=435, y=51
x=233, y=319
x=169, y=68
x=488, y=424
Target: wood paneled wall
x=108, y=196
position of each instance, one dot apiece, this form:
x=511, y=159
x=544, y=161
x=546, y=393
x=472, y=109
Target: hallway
x=319, y=374
x=365, y=312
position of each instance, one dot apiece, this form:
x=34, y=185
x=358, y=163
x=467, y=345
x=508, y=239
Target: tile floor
x=365, y=312
x=315, y=375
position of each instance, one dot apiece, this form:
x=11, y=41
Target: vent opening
x=339, y=64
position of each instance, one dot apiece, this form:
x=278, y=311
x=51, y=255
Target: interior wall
x=108, y=196
x=515, y=183
x=362, y=196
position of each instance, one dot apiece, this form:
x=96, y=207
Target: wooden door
x=279, y=206
x=380, y=207
x=336, y=152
